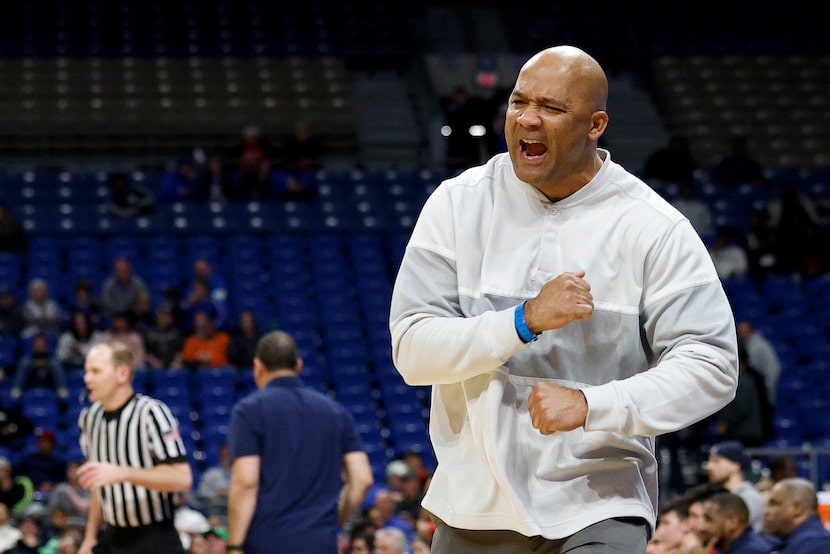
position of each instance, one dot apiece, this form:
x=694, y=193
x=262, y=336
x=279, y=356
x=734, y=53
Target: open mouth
x=532, y=148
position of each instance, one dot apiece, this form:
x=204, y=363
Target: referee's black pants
x=158, y=538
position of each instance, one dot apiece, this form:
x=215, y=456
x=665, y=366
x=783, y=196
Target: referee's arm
x=93, y=523
x=172, y=477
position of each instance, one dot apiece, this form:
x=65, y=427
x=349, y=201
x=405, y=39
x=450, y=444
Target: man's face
x=670, y=530
x=694, y=523
x=386, y=545
x=100, y=377
x=719, y=468
x=780, y=513
x=712, y=525
x=547, y=120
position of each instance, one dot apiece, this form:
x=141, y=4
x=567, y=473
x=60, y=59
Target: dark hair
x=277, y=350
x=730, y=504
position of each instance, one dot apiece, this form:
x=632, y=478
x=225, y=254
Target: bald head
x=584, y=72
x=800, y=491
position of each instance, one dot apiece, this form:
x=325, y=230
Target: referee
x=136, y=460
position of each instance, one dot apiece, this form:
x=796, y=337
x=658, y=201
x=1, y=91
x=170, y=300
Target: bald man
x=564, y=314
x=792, y=515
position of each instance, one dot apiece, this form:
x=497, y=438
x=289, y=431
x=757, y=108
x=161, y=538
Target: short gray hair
x=398, y=537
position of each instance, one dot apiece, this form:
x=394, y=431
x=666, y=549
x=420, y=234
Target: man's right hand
x=561, y=301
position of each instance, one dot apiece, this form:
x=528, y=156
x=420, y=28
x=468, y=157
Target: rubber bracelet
x=521, y=326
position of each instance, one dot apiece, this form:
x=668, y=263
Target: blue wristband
x=521, y=326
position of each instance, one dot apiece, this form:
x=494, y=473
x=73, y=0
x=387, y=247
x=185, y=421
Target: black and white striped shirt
x=143, y=433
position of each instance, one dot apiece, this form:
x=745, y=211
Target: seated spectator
x=747, y=419
x=301, y=153
x=420, y=545
x=792, y=516
x=69, y=494
x=199, y=300
x=75, y=342
x=254, y=157
x=121, y=289
x=726, y=466
x=44, y=467
x=217, y=182
x=164, y=341
x=205, y=347
x=761, y=356
x=800, y=238
x=15, y=492
x=738, y=166
x=41, y=313
x=214, y=485
x=15, y=427
x=672, y=163
x=695, y=210
x=39, y=368
x=205, y=274
x=729, y=257
x=121, y=330
x=11, y=318
x=391, y=540
x=32, y=539
x=242, y=346
x=9, y=534
x=12, y=233
x=172, y=302
x=182, y=184
x=726, y=526
x=83, y=300
x=142, y=312
x=128, y=199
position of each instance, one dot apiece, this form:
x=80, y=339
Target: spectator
x=44, y=467
x=672, y=163
x=799, y=236
x=792, y=515
x=142, y=312
x=461, y=112
x=12, y=233
x=182, y=184
x=11, y=318
x=84, y=301
x=164, y=340
x=121, y=331
x=761, y=356
x=120, y=290
x=362, y=544
x=391, y=540
x=729, y=257
x=199, y=300
x=128, y=199
x=695, y=522
x=41, y=313
x=172, y=302
x=695, y=210
x=671, y=526
x=217, y=291
x=748, y=417
x=9, y=534
x=420, y=545
x=301, y=152
x=782, y=466
x=726, y=527
x=384, y=515
x=214, y=484
x=39, y=368
x=15, y=492
x=32, y=540
x=726, y=466
x=75, y=342
x=761, y=246
x=205, y=347
x=69, y=494
x=254, y=157
x=216, y=182
x=738, y=166
x=242, y=346
x=217, y=540
x=15, y=427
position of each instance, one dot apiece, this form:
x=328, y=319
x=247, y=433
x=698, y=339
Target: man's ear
x=599, y=122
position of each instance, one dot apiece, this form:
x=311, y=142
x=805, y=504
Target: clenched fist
x=556, y=408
